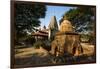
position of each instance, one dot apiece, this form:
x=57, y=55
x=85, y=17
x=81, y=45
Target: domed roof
x=66, y=26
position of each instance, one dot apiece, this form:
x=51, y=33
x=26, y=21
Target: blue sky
x=57, y=11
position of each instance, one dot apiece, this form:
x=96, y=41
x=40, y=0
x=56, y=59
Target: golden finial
x=65, y=17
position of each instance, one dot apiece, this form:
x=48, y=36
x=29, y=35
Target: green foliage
x=38, y=44
x=27, y=16
x=88, y=37
x=85, y=36
x=29, y=40
x=82, y=18
x=44, y=44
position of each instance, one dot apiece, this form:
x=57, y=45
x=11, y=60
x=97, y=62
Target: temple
x=52, y=28
x=63, y=40
x=47, y=33
x=66, y=41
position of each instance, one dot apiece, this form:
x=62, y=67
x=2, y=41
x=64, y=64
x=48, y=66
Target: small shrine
x=66, y=40
x=47, y=33
x=41, y=34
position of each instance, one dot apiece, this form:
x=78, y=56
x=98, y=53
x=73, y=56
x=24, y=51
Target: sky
x=57, y=11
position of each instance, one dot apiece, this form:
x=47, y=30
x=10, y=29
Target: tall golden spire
x=66, y=25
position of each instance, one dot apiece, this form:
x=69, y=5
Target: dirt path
x=28, y=52
x=88, y=49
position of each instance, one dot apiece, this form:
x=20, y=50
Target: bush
x=38, y=44
x=29, y=40
x=44, y=44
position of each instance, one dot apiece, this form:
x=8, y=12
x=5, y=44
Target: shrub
x=44, y=44
x=38, y=44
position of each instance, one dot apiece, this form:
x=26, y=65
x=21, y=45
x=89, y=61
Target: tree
x=27, y=17
x=82, y=18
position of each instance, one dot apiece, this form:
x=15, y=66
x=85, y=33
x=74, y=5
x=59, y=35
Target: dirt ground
x=28, y=52
x=31, y=55
x=88, y=49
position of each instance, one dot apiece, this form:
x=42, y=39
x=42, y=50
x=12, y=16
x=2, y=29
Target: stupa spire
x=65, y=18
x=66, y=25
x=53, y=27
x=53, y=23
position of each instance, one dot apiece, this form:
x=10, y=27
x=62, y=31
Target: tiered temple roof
x=41, y=33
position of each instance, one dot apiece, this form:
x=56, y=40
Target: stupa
x=52, y=28
x=66, y=26
x=66, y=40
